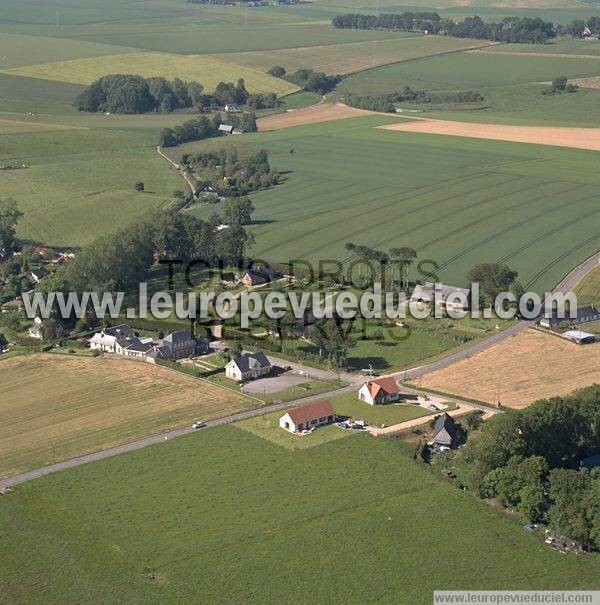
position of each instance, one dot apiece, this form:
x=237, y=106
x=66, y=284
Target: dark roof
x=138, y=345
x=579, y=312
x=591, y=462
x=243, y=361
x=39, y=272
x=122, y=330
x=313, y=411
x=178, y=337
x=444, y=422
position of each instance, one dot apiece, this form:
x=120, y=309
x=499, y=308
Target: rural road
x=182, y=173
x=565, y=285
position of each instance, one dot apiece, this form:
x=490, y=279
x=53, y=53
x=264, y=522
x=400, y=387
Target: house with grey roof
x=248, y=366
x=445, y=431
x=583, y=315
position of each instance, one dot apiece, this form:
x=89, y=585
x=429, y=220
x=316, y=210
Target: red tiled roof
x=388, y=385
x=313, y=411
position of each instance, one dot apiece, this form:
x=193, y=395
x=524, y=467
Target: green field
x=223, y=516
x=588, y=289
x=457, y=201
x=79, y=183
x=209, y=72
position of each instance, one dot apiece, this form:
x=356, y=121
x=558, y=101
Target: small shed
x=579, y=336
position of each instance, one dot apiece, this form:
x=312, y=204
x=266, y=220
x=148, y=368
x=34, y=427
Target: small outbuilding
x=308, y=417
x=445, y=431
x=579, y=336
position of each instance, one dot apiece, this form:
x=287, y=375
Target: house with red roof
x=381, y=390
x=308, y=417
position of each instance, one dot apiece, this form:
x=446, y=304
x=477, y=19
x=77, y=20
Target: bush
x=139, y=186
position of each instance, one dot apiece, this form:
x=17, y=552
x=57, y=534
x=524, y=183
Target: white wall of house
x=365, y=395
x=287, y=424
x=232, y=371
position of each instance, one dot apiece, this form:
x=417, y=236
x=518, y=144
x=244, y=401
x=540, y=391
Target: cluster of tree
x=399, y=259
x=125, y=93
x=226, y=174
x=202, y=127
x=312, y=81
x=262, y=101
x=408, y=95
x=577, y=28
x=332, y=338
x=527, y=459
x=494, y=278
x=121, y=260
x=9, y=217
x=510, y=29
x=561, y=84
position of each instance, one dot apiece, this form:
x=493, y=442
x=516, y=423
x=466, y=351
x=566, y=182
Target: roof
x=388, y=385
x=319, y=409
x=444, y=421
x=426, y=291
x=586, y=311
x=578, y=335
x=178, y=337
x=138, y=345
x=243, y=361
x=122, y=330
x=225, y=128
x=591, y=462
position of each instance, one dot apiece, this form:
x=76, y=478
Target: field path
x=576, y=138
x=532, y=54
x=182, y=173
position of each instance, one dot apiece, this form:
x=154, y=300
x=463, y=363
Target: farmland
x=588, y=289
x=139, y=527
x=457, y=201
x=56, y=407
x=516, y=369
x=208, y=72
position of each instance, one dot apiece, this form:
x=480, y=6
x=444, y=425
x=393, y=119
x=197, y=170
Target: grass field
x=209, y=72
x=55, y=407
x=457, y=201
x=529, y=366
x=168, y=523
x=79, y=183
x=350, y=57
x=588, y=289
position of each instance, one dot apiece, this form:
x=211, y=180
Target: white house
x=307, y=417
x=114, y=339
x=381, y=390
x=248, y=367
x=36, y=330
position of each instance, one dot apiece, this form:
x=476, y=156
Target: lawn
x=55, y=407
x=209, y=72
x=588, y=289
x=79, y=184
x=531, y=365
x=457, y=201
x=222, y=516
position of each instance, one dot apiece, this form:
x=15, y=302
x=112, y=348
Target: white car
x=198, y=424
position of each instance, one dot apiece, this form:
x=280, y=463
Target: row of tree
x=200, y=128
x=126, y=93
x=385, y=103
x=528, y=460
x=309, y=80
x=510, y=29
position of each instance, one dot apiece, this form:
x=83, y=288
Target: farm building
x=382, y=390
x=137, y=349
x=444, y=431
x=226, y=128
x=579, y=337
x=308, y=417
x=37, y=275
x=451, y=298
x=583, y=315
x=260, y=276
x=114, y=339
x=248, y=366
x=35, y=331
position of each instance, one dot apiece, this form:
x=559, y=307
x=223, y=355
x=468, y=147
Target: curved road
x=565, y=285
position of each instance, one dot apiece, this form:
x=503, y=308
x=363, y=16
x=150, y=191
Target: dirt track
x=322, y=112
x=579, y=138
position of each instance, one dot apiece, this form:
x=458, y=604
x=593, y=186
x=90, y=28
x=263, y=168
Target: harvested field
x=529, y=366
x=55, y=407
x=577, y=138
x=323, y=112
x=20, y=127
x=593, y=82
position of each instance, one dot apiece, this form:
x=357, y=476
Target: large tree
x=493, y=278
x=9, y=217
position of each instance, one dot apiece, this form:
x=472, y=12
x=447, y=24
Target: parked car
x=198, y=424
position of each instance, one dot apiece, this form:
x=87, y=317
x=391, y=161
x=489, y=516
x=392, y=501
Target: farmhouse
x=37, y=275
x=260, y=276
x=382, y=390
x=451, y=298
x=114, y=339
x=36, y=331
x=248, y=367
x=582, y=315
x=444, y=431
x=137, y=349
x=307, y=417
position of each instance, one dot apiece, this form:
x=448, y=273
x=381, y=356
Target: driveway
x=272, y=384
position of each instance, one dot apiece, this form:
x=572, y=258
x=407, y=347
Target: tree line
x=200, y=128
x=529, y=460
x=511, y=29
x=126, y=93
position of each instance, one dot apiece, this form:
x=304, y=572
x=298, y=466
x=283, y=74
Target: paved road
x=565, y=285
